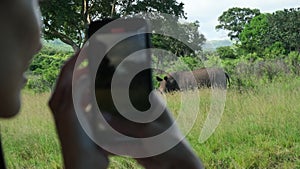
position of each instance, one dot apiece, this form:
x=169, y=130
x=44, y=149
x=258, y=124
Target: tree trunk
x=113, y=9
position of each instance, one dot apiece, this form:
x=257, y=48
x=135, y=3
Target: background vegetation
x=46, y=65
x=265, y=48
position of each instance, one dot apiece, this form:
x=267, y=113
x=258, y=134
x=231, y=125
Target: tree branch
x=67, y=40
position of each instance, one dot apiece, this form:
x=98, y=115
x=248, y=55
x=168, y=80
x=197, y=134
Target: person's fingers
x=79, y=151
x=61, y=102
x=62, y=92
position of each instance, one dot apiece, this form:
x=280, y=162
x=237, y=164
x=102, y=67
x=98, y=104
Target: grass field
x=259, y=129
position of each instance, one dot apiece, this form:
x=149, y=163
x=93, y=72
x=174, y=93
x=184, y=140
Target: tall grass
x=259, y=129
x=29, y=140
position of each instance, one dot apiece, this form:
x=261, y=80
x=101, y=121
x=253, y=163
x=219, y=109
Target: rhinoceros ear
x=166, y=78
x=159, y=79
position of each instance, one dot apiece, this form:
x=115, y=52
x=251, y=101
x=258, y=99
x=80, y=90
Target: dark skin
x=79, y=151
x=77, y=148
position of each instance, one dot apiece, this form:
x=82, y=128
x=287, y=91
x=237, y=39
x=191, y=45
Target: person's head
x=20, y=40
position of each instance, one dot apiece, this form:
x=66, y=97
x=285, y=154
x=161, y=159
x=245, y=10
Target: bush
x=226, y=52
x=192, y=62
x=44, y=70
x=275, y=51
x=293, y=62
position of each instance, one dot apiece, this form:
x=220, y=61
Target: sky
x=208, y=11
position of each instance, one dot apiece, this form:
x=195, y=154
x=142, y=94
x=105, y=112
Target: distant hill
x=57, y=45
x=212, y=45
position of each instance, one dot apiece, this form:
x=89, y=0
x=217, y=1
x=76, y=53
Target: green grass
x=29, y=140
x=259, y=129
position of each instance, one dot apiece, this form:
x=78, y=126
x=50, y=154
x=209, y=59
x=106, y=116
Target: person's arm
x=181, y=156
x=79, y=151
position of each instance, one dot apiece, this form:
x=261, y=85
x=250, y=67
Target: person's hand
x=180, y=156
x=79, y=151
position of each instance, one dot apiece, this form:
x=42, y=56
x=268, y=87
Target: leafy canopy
x=254, y=36
x=267, y=31
x=68, y=20
x=235, y=19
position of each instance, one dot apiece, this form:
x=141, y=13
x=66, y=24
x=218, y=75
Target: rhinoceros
x=184, y=80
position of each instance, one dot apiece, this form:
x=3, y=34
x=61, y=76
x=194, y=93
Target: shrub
x=293, y=62
x=275, y=51
x=44, y=70
x=226, y=52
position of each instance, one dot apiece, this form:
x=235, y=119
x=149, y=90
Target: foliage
x=192, y=62
x=254, y=36
x=188, y=40
x=276, y=50
x=226, y=52
x=68, y=20
x=250, y=70
x=284, y=26
x=270, y=30
x=235, y=19
x=45, y=68
x=189, y=33
x=293, y=62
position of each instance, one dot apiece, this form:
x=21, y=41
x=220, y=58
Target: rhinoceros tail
x=228, y=79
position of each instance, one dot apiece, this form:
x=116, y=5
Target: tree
x=255, y=36
x=68, y=20
x=285, y=27
x=186, y=32
x=235, y=19
x=191, y=34
x=266, y=31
